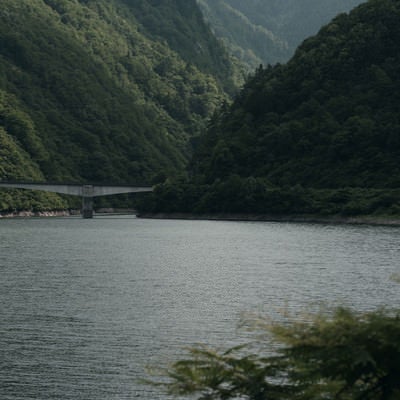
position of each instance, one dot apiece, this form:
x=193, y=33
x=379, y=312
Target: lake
x=87, y=305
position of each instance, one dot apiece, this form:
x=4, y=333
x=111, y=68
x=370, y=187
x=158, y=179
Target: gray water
x=86, y=305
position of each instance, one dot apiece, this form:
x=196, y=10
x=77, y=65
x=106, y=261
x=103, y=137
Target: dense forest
x=121, y=91
x=104, y=90
x=319, y=134
x=269, y=31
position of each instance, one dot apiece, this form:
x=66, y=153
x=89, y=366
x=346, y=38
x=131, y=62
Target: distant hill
x=316, y=133
x=268, y=31
x=105, y=90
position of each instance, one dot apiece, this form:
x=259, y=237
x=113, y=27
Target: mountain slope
x=328, y=118
x=268, y=31
x=319, y=134
x=94, y=86
x=97, y=95
x=251, y=42
x=180, y=23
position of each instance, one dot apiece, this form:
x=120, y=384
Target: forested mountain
x=104, y=90
x=305, y=133
x=328, y=118
x=268, y=31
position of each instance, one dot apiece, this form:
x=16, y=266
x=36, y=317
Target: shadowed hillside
x=319, y=134
x=268, y=31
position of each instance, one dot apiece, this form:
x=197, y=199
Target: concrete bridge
x=86, y=191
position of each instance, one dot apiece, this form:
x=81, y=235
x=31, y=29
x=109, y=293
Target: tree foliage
x=257, y=196
x=343, y=355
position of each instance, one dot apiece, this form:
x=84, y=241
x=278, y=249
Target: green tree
x=343, y=355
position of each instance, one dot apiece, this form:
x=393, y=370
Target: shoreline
x=306, y=218
x=64, y=213
x=38, y=214
x=316, y=219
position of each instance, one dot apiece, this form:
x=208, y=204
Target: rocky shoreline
x=365, y=220
x=62, y=213
x=29, y=214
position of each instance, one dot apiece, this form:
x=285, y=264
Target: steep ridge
x=252, y=43
x=181, y=25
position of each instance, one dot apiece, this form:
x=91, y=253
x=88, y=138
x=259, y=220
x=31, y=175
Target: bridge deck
x=86, y=191
x=83, y=190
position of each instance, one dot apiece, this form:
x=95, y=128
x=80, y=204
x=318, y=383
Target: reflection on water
x=86, y=305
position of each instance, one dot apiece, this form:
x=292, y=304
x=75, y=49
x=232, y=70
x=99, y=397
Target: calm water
x=86, y=305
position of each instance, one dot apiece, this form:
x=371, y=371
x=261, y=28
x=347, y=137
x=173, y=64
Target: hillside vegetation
x=104, y=90
x=269, y=31
x=320, y=134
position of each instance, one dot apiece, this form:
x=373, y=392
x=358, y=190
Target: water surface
x=87, y=304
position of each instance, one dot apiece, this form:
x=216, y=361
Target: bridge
x=86, y=191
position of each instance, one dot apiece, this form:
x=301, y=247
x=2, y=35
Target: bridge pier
x=87, y=207
x=87, y=201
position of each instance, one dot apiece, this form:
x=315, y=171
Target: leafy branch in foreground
x=344, y=355
x=227, y=375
